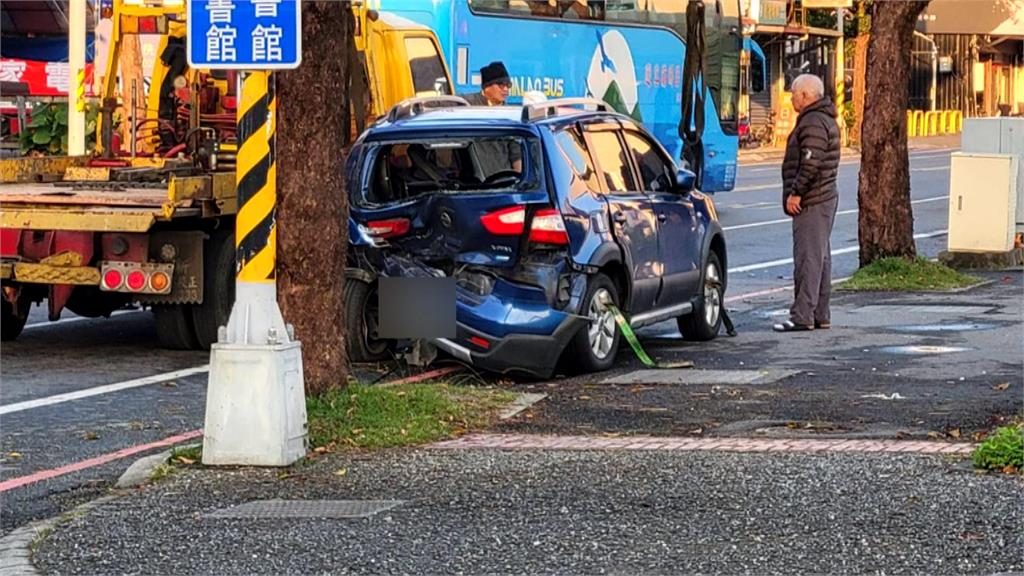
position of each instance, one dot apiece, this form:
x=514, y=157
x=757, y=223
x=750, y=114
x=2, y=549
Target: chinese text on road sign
x=244, y=34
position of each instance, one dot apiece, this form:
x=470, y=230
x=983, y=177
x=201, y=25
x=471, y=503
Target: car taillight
x=388, y=228
x=136, y=280
x=548, y=228
x=112, y=279
x=505, y=222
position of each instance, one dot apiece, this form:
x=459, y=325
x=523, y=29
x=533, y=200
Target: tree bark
x=311, y=241
x=886, y=222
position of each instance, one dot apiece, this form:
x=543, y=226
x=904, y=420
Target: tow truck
x=153, y=225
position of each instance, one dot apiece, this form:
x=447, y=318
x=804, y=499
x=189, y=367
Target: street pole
x=256, y=404
x=76, y=77
x=840, y=75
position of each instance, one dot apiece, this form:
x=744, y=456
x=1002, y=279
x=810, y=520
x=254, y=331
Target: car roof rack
x=416, y=106
x=548, y=108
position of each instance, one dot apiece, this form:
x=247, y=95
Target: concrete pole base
x=256, y=397
x=255, y=405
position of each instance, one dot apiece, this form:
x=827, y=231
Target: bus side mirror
x=686, y=181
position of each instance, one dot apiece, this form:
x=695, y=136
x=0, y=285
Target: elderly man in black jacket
x=810, y=197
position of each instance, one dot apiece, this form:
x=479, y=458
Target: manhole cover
x=690, y=376
x=922, y=349
x=306, y=509
x=944, y=327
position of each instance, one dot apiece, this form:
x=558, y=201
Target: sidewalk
x=772, y=155
x=774, y=456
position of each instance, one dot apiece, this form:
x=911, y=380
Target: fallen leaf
x=792, y=425
x=399, y=393
x=1009, y=470
x=969, y=536
x=14, y=454
x=185, y=460
x=170, y=384
x=583, y=397
x=636, y=389
x=357, y=430
x=1002, y=386
x=283, y=476
x=936, y=435
x=403, y=432
x=955, y=433
x=341, y=471
x=90, y=435
x=978, y=436
x=320, y=449
x=697, y=431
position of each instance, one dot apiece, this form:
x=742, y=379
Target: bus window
x=428, y=75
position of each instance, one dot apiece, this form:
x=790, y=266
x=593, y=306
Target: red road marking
x=97, y=461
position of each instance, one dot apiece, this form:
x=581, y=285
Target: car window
x=614, y=167
x=656, y=173
x=575, y=153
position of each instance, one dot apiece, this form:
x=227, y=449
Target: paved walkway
x=549, y=442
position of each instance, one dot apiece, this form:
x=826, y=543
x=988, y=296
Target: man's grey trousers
x=812, y=263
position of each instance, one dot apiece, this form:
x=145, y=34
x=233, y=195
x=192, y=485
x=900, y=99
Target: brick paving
x=550, y=442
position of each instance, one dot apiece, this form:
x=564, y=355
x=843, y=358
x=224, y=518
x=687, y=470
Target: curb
x=16, y=547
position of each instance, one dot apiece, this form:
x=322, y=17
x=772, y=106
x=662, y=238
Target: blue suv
x=542, y=215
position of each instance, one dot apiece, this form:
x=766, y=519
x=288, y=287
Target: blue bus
x=631, y=57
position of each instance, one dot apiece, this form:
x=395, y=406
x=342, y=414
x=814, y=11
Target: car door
x=678, y=231
x=631, y=212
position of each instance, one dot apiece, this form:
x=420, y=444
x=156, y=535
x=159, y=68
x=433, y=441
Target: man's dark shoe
x=822, y=325
x=789, y=326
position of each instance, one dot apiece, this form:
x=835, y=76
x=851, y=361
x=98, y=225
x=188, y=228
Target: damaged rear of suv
x=524, y=211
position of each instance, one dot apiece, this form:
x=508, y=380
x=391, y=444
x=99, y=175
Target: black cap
x=493, y=73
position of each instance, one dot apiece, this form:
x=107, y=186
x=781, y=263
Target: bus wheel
x=11, y=323
x=174, y=327
x=218, y=288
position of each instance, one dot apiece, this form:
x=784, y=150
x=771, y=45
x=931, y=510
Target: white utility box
x=998, y=136
x=983, y=190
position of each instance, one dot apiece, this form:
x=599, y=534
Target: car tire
x=704, y=322
x=595, y=346
x=360, y=316
x=11, y=324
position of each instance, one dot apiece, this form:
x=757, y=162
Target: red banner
x=43, y=78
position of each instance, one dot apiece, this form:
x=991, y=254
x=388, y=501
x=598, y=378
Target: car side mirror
x=686, y=181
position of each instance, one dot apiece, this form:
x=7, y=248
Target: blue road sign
x=244, y=34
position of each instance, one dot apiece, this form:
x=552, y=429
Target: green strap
x=630, y=336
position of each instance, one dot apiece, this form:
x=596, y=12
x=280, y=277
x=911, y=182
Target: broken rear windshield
x=403, y=170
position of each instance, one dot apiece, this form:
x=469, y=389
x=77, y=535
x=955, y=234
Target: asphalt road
x=41, y=432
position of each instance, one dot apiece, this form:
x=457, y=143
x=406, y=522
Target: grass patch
x=1003, y=450
x=37, y=541
x=187, y=455
x=386, y=416
x=904, y=274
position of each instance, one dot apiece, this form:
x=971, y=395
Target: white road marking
x=75, y=319
x=918, y=154
x=106, y=389
x=839, y=213
x=932, y=169
x=757, y=187
x=847, y=250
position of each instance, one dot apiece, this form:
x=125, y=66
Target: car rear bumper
x=532, y=354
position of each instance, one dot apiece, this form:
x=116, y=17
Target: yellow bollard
x=958, y=121
x=911, y=128
x=919, y=125
x=932, y=121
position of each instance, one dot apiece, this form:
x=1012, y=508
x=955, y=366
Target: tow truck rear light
x=136, y=280
x=112, y=279
x=481, y=342
x=388, y=228
x=505, y=222
x=548, y=228
x=159, y=281
x=136, y=277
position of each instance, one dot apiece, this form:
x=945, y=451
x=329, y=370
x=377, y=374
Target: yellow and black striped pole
x=255, y=232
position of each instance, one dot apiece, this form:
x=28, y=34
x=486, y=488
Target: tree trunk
x=886, y=222
x=311, y=241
